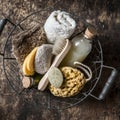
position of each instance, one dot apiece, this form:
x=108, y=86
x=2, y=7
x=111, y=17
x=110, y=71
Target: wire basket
x=94, y=61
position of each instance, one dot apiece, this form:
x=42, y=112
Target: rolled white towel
x=59, y=26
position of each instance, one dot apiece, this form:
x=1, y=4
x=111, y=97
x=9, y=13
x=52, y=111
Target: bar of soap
x=55, y=77
x=43, y=58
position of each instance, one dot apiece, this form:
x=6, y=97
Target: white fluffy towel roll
x=59, y=26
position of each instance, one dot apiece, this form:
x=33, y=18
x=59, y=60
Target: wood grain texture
x=31, y=104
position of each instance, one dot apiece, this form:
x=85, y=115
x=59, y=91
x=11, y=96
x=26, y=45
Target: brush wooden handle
x=58, y=59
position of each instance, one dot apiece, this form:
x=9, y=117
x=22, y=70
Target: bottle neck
x=87, y=37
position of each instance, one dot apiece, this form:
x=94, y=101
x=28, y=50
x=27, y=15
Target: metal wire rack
x=13, y=75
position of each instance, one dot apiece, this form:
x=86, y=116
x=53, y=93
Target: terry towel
x=59, y=26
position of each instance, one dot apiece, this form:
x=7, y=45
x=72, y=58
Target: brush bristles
x=58, y=46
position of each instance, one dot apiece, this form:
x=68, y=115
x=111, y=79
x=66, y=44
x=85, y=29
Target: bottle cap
x=90, y=32
x=27, y=82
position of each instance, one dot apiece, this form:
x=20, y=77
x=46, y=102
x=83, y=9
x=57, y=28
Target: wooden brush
x=60, y=49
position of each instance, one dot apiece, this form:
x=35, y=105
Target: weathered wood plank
x=32, y=105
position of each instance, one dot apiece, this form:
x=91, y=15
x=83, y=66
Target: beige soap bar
x=43, y=58
x=55, y=77
x=25, y=41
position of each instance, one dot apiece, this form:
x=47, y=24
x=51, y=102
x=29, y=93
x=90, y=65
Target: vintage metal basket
x=94, y=61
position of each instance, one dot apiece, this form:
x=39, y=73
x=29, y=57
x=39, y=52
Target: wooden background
x=104, y=14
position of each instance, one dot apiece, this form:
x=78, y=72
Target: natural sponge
x=74, y=81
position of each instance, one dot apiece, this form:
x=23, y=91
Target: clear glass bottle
x=81, y=47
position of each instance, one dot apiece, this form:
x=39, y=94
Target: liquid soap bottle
x=81, y=47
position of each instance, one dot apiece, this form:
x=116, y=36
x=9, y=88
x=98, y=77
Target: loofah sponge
x=24, y=42
x=74, y=81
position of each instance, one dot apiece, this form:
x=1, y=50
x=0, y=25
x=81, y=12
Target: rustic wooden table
x=27, y=106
